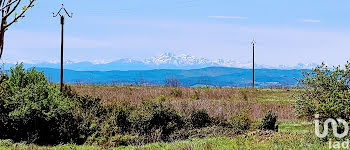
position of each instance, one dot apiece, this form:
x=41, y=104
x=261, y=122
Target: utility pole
x=65, y=13
x=253, y=43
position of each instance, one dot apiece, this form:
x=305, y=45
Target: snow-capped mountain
x=169, y=58
x=163, y=61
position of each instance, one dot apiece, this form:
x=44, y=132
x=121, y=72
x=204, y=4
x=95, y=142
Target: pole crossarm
x=65, y=12
x=253, y=42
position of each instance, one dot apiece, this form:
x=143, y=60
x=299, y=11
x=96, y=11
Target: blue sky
x=287, y=32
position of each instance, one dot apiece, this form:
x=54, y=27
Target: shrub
x=176, y=92
x=244, y=94
x=269, y=121
x=241, y=122
x=121, y=118
x=161, y=98
x=101, y=124
x=152, y=117
x=89, y=112
x=325, y=93
x=6, y=143
x=196, y=95
x=200, y=119
x=35, y=111
x=121, y=139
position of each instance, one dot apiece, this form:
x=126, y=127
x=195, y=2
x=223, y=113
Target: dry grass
x=219, y=102
x=227, y=109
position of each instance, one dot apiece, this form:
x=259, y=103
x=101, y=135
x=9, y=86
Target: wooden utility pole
x=253, y=43
x=62, y=31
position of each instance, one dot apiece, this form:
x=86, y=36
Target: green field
x=292, y=135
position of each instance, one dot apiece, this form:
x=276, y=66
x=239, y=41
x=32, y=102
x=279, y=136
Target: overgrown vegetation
x=176, y=92
x=241, y=122
x=269, y=121
x=200, y=119
x=326, y=92
x=35, y=111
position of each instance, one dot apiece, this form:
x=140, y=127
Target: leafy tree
x=325, y=92
x=9, y=15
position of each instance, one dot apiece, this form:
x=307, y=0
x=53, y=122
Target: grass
x=219, y=102
x=278, y=141
x=137, y=93
x=268, y=141
x=20, y=146
x=295, y=127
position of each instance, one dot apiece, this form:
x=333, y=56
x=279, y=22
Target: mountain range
x=163, y=61
x=188, y=70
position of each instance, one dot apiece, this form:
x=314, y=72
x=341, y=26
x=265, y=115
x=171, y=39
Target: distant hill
x=212, y=76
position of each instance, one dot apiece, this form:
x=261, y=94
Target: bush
x=151, y=121
x=200, y=119
x=196, y=95
x=269, y=121
x=161, y=98
x=241, y=122
x=35, y=111
x=153, y=118
x=325, y=93
x=108, y=126
x=6, y=143
x=176, y=92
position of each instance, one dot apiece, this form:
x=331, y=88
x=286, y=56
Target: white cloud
x=228, y=17
x=311, y=21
